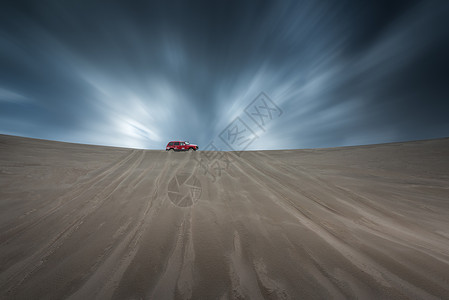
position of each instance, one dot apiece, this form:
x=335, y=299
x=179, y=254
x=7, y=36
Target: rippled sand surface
x=86, y=222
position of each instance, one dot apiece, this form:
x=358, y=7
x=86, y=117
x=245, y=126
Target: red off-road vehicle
x=181, y=146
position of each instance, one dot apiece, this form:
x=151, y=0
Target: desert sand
x=92, y=222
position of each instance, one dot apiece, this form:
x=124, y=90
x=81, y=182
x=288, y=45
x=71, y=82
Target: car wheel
x=190, y=149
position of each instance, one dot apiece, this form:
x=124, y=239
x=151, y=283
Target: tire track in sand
x=356, y=204
x=29, y=266
x=107, y=277
x=70, y=196
x=360, y=260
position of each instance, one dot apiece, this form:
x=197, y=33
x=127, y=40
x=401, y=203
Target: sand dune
x=85, y=222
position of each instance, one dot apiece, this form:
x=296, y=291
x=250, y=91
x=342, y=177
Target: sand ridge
x=82, y=221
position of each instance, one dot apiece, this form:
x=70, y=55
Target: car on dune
x=181, y=146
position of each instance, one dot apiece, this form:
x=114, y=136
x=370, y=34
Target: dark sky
x=141, y=73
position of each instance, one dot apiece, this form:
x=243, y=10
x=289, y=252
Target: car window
x=170, y=144
x=182, y=144
x=177, y=144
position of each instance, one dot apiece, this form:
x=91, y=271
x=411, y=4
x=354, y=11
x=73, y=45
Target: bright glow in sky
x=139, y=74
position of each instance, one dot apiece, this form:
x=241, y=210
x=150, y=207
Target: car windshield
x=187, y=143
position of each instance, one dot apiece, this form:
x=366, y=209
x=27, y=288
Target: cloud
x=12, y=97
x=138, y=74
